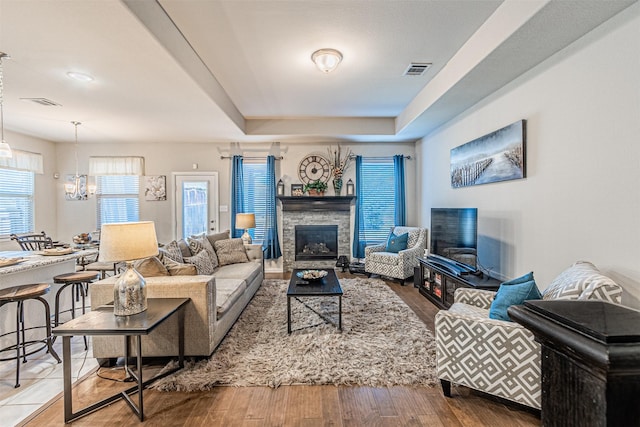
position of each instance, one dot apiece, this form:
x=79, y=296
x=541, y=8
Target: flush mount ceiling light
x=82, y=77
x=326, y=59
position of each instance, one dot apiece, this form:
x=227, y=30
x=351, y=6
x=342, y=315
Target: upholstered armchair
x=501, y=357
x=396, y=265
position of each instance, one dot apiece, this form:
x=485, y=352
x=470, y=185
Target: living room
x=579, y=200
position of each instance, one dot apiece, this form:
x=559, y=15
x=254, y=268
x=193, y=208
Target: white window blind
x=255, y=195
x=378, y=199
x=117, y=199
x=16, y=201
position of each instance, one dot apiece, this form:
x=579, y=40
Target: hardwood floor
x=300, y=405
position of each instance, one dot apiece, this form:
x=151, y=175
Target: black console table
x=438, y=284
x=590, y=361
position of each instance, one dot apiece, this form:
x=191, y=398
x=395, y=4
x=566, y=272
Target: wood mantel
x=316, y=203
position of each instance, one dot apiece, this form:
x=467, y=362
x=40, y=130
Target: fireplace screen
x=316, y=242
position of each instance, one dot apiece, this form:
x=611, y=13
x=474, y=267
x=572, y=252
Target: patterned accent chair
x=396, y=265
x=499, y=357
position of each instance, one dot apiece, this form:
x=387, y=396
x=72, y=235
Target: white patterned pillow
x=172, y=250
x=582, y=281
x=231, y=251
x=202, y=261
x=199, y=244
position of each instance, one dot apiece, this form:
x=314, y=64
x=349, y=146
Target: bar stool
x=79, y=282
x=20, y=294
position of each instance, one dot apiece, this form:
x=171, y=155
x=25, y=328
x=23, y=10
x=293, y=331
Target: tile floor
x=40, y=380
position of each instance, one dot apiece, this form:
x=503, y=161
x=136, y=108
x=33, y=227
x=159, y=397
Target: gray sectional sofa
x=217, y=300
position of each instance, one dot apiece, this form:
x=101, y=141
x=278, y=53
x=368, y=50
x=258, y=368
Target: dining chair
x=33, y=241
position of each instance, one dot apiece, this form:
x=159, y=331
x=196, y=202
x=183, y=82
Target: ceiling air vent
x=417, y=68
x=43, y=101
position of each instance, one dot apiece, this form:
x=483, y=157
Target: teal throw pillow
x=526, y=278
x=396, y=244
x=509, y=295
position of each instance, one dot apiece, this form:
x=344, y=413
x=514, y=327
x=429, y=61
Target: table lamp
x=246, y=221
x=128, y=241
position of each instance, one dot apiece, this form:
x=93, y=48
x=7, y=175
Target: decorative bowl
x=312, y=274
x=82, y=238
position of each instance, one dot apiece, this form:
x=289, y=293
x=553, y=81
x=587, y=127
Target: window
x=378, y=199
x=117, y=198
x=255, y=196
x=16, y=201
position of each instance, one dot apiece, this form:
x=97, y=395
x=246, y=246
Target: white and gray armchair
x=501, y=357
x=396, y=265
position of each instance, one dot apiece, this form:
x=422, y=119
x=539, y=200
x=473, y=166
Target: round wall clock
x=314, y=168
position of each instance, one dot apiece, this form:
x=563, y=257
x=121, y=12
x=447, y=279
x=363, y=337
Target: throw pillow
x=526, y=278
x=231, y=251
x=512, y=294
x=202, y=261
x=213, y=238
x=201, y=243
x=396, y=244
x=184, y=248
x=179, y=269
x=172, y=250
x=150, y=267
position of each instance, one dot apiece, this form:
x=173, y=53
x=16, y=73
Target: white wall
x=581, y=197
x=162, y=159
x=45, y=214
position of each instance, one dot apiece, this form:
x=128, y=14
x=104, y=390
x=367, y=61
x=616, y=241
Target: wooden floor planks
x=301, y=406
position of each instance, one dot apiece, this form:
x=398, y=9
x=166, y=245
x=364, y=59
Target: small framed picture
x=297, y=190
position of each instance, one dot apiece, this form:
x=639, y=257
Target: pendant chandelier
x=78, y=188
x=5, y=149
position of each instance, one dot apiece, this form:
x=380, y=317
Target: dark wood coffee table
x=328, y=286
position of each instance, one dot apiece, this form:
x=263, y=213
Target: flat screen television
x=454, y=238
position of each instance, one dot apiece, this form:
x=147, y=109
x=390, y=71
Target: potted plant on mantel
x=316, y=188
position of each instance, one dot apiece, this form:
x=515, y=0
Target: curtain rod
x=251, y=158
x=353, y=156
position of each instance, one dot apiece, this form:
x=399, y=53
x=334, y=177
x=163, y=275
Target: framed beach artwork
x=155, y=188
x=297, y=190
x=497, y=156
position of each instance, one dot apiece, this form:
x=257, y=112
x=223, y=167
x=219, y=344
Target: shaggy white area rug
x=383, y=343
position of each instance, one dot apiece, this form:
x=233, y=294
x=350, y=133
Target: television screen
x=454, y=236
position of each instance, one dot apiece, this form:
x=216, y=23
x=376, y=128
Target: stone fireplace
x=308, y=211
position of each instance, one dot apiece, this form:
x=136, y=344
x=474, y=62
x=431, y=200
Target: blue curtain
x=271, y=245
x=237, y=193
x=400, y=214
x=358, y=246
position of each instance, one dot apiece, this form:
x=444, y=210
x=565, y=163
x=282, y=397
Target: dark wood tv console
x=438, y=284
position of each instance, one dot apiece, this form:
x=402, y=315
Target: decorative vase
x=337, y=185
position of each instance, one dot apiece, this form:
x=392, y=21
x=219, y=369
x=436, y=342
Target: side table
x=590, y=361
x=102, y=321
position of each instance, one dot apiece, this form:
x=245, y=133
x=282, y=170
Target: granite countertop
x=35, y=259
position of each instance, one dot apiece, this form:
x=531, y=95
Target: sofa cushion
x=397, y=243
x=228, y=291
x=201, y=243
x=230, y=251
x=246, y=270
x=179, y=269
x=150, y=267
x=202, y=261
x=383, y=258
x=512, y=294
x=173, y=251
x=582, y=281
x=213, y=238
x=525, y=278
x=469, y=311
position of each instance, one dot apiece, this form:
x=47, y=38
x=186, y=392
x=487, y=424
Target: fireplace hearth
x=316, y=242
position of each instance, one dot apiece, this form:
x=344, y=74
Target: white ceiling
x=240, y=70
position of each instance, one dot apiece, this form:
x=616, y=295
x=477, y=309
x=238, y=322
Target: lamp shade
x=245, y=220
x=127, y=241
